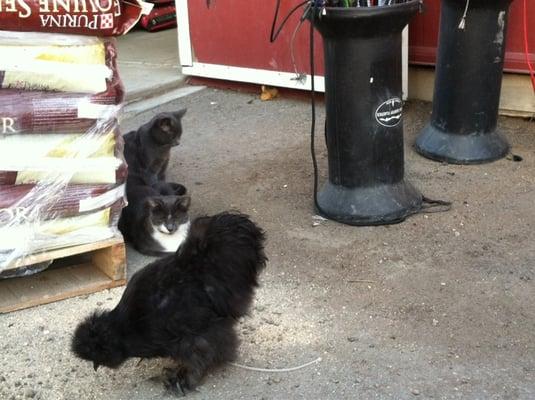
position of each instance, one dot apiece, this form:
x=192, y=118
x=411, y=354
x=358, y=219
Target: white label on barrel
x=389, y=113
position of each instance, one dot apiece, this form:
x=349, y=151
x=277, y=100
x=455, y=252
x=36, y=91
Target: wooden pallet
x=75, y=271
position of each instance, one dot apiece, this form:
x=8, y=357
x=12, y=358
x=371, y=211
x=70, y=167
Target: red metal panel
x=424, y=35
x=515, y=58
x=236, y=33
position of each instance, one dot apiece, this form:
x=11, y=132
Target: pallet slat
x=106, y=269
x=109, y=260
x=62, y=253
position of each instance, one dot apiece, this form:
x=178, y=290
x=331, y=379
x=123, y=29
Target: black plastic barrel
x=463, y=127
x=364, y=111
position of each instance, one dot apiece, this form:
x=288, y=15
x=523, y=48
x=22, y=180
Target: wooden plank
x=111, y=261
x=70, y=276
x=64, y=252
x=516, y=96
x=81, y=275
x=34, y=286
x=7, y=296
x=53, y=285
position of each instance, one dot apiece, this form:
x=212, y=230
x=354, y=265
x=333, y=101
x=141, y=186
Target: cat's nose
x=171, y=227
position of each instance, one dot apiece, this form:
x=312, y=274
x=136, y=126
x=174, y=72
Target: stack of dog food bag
x=62, y=170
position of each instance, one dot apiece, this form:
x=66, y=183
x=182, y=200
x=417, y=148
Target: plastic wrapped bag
x=80, y=17
x=55, y=210
x=42, y=111
x=34, y=65
x=91, y=159
x=76, y=199
x=62, y=169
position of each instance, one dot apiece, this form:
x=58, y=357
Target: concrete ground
x=438, y=307
x=149, y=63
x=150, y=70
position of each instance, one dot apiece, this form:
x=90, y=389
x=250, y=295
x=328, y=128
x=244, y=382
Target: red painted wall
x=236, y=33
x=424, y=36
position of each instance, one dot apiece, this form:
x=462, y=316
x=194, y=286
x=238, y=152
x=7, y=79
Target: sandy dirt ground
x=441, y=306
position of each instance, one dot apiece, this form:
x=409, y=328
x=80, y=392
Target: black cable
x=273, y=35
x=313, y=107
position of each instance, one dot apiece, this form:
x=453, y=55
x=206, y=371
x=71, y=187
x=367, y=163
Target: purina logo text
x=65, y=13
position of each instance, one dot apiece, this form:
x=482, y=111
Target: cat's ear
x=151, y=203
x=183, y=202
x=180, y=113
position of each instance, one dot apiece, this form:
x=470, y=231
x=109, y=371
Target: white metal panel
x=184, y=39
x=252, y=75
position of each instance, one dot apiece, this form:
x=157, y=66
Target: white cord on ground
x=277, y=369
x=462, y=24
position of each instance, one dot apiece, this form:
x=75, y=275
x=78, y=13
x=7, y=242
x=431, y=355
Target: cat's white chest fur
x=170, y=242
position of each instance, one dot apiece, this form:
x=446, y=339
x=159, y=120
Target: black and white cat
x=154, y=223
x=169, y=221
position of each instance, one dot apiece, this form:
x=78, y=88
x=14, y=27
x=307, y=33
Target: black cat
x=148, y=149
x=184, y=306
x=153, y=222
x=169, y=188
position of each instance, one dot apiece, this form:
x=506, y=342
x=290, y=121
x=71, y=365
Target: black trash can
x=364, y=111
x=463, y=127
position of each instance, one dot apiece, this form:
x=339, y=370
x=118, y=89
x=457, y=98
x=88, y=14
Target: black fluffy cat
x=155, y=220
x=184, y=306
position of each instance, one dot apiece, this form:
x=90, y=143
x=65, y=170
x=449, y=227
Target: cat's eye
x=158, y=209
